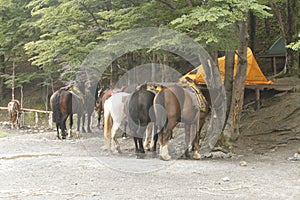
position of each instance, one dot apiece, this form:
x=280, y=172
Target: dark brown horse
x=174, y=104
x=65, y=103
x=14, y=112
x=140, y=113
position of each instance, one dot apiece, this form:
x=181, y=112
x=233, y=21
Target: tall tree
x=287, y=14
x=16, y=29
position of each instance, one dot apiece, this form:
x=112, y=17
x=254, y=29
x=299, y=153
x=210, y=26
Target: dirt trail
x=38, y=166
x=35, y=165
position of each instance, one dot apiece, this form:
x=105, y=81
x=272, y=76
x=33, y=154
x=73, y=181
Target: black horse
x=140, y=113
x=65, y=103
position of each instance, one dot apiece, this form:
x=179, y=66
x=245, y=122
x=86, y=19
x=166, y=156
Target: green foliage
x=57, y=35
x=212, y=24
x=294, y=45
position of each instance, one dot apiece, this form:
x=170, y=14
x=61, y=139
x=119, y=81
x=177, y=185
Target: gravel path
x=38, y=166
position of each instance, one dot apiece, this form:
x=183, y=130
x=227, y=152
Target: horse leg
x=154, y=139
x=57, y=129
x=83, y=122
x=187, y=128
x=99, y=119
x=124, y=136
x=165, y=137
x=63, y=126
x=17, y=121
x=140, y=134
x=71, y=125
x=114, y=130
x=196, y=141
x=136, y=145
x=149, y=129
x=89, y=115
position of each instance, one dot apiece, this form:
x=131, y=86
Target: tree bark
x=153, y=71
x=114, y=73
x=252, y=30
x=231, y=130
x=292, y=36
x=228, y=82
x=2, y=71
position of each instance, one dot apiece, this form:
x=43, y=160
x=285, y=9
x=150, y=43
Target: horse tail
x=56, y=113
x=108, y=122
x=160, y=110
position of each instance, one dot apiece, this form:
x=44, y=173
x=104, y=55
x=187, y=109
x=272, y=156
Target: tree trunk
x=166, y=67
x=114, y=73
x=2, y=71
x=13, y=82
x=153, y=71
x=292, y=64
x=231, y=130
x=228, y=82
x=252, y=30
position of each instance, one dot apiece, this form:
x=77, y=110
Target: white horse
x=114, y=115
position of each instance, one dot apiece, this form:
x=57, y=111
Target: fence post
x=50, y=120
x=36, y=119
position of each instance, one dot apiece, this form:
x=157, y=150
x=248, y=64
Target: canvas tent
x=277, y=53
x=254, y=73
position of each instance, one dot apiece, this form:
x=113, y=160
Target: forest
x=44, y=42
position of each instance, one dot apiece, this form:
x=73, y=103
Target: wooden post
x=50, y=120
x=36, y=119
x=274, y=65
x=257, y=98
x=13, y=82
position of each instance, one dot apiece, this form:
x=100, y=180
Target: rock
x=226, y=179
x=296, y=157
x=243, y=163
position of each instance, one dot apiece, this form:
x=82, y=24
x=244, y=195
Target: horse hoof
x=154, y=154
x=63, y=137
x=187, y=154
x=119, y=151
x=140, y=156
x=196, y=155
x=165, y=157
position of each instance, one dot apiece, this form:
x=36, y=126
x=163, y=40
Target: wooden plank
x=29, y=110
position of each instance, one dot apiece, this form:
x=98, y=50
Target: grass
x=3, y=134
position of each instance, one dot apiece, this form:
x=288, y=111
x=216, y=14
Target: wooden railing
x=36, y=115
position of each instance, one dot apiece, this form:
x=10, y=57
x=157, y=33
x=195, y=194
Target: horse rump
x=14, y=112
x=54, y=103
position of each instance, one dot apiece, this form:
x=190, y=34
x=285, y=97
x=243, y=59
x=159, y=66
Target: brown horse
x=101, y=97
x=65, y=103
x=14, y=112
x=174, y=104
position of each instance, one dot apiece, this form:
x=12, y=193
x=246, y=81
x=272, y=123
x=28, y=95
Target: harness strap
x=200, y=97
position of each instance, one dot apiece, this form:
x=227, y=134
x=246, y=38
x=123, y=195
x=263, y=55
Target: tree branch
x=167, y=4
x=93, y=16
x=278, y=15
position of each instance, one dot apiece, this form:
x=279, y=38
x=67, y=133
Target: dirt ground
x=36, y=165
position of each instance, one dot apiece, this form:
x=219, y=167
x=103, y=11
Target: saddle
x=202, y=103
x=75, y=91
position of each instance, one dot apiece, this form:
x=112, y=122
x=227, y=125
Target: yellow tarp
x=254, y=73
